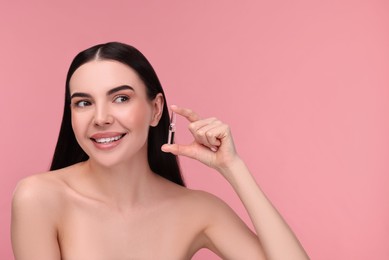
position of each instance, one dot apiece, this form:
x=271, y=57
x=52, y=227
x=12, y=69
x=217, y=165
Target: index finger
x=186, y=112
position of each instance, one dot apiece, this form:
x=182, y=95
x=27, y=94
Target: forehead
x=102, y=75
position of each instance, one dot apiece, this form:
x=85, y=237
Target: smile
x=107, y=140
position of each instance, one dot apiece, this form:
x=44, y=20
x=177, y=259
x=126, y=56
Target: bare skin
x=169, y=223
x=114, y=207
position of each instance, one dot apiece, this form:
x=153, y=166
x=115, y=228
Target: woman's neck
x=127, y=184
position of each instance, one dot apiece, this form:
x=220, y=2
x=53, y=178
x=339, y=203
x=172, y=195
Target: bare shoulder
x=36, y=207
x=222, y=230
x=212, y=209
x=199, y=207
x=194, y=199
x=205, y=209
x=204, y=202
x=43, y=190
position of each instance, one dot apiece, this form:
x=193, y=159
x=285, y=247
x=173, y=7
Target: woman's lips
x=107, y=141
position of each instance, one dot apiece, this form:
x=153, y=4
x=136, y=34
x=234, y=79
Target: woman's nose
x=102, y=116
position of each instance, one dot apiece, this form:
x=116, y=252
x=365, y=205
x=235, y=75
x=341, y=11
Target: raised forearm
x=277, y=239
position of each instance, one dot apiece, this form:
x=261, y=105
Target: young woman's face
x=111, y=112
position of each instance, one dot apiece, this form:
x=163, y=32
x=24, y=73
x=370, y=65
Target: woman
x=115, y=190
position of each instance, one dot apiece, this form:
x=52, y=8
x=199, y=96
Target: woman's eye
x=121, y=99
x=82, y=103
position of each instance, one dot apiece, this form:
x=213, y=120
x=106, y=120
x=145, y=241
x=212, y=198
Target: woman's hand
x=212, y=145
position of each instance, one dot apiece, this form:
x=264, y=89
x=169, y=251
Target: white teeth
x=108, y=140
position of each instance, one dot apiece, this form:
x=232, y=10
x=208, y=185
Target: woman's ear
x=157, y=104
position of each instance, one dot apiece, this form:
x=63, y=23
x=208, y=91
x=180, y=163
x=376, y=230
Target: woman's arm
x=33, y=231
x=213, y=146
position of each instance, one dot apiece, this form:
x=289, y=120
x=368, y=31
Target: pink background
x=303, y=84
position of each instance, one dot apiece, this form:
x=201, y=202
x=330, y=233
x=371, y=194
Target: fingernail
x=214, y=149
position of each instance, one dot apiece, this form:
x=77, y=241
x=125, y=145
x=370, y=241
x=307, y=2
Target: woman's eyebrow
x=109, y=92
x=119, y=88
x=80, y=94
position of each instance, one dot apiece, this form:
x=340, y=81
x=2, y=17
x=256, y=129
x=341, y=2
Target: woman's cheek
x=80, y=126
x=135, y=117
